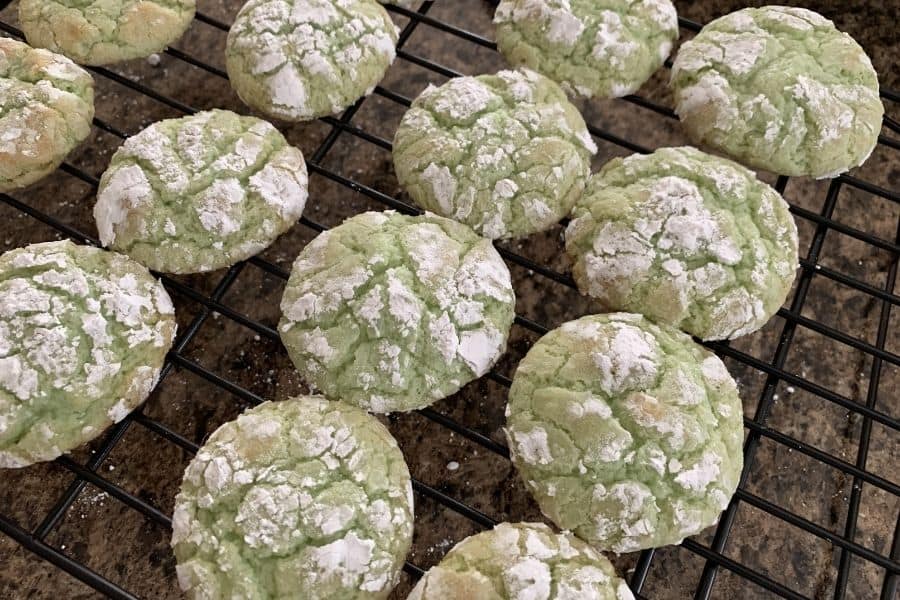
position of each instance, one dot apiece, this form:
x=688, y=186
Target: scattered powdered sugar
x=282, y=187
x=402, y=304
x=609, y=43
x=444, y=336
x=480, y=348
x=628, y=360
x=443, y=185
x=288, y=90
x=463, y=97
x=118, y=411
x=18, y=378
x=528, y=579
x=704, y=472
x=711, y=89
x=562, y=25
x=347, y=558
x=125, y=190
x=533, y=446
x=823, y=104
x=218, y=206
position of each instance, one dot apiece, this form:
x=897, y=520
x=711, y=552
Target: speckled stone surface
x=132, y=550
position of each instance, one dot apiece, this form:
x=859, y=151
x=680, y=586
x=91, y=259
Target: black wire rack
x=871, y=411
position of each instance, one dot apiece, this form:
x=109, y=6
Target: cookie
x=515, y=561
x=300, y=59
x=47, y=108
x=83, y=335
x=506, y=154
x=103, y=32
x=392, y=312
x=201, y=192
x=595, y=50
x=779, y=88
x=304, y=498
x=627, y=433
x=685, y=238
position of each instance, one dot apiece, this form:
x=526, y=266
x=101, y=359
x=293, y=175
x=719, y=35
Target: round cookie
x=685, y=238
x=593, y=49
x=392, y=312
x=779, y=88
x=300, y=59
x=83, y=336
x=515, y=561
x=47, y=104
x=201, y=192
x=301, y=498
x=627, y=433
x=506, y=154
x=100, y=32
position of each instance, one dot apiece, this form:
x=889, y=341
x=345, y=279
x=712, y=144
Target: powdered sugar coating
x=201, y=192
x=521, y=561
x=300, y=59
x=100, y=32
x=596, y=50
x=47, y=104
x=392, y=312
x=83, y=335
x=641, y=463
x=506, y=154
x=781, y=89
x=685, y=238
x=304, y=494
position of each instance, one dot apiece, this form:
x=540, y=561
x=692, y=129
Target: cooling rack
x=870, y=410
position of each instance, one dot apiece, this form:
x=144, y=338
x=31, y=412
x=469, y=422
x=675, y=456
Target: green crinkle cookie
x=506, y=154
x=597, y=49
x=521, y=561
x=392, y=312
x=83, y=335
x=684, y=238
x=100, y=32
x=201, y=192
x=300, y=59
x=47, y=104
x=303, y=499
x=781, y=89
x=627, y=433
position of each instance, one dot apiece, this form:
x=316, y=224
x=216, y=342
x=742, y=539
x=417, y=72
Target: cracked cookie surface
x=627, y=433
x=46, y=108
x=300, y=59
x=686, y=238
x=392, y=312
x=519, y=561
x=594, y=49
x=506, y=154
x=100, y=32
x=305, y=498
x=201, y=192
x=83, y=335
x=779, y=88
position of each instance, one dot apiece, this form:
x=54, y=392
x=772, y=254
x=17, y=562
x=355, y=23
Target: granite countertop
x=131, y=550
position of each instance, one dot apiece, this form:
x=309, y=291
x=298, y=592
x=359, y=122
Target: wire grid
x=713, y=555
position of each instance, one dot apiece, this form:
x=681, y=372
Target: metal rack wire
x=714, y=556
